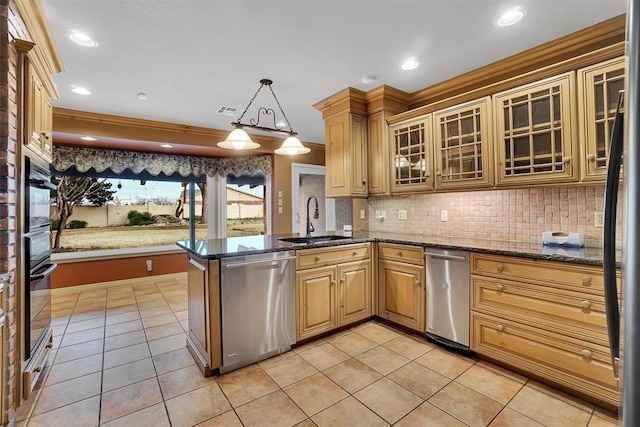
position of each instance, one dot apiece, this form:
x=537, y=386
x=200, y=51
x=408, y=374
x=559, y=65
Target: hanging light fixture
x=238, y=139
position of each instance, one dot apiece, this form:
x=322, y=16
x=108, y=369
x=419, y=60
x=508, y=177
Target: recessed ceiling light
x=510, y=17
x=368, y=79
x=410, y=64
x=166, y=145
x=88, y=138
x=79, y=90
x=142, y=96
x=81, y=39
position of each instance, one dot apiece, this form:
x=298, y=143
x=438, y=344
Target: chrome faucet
x=316, y=215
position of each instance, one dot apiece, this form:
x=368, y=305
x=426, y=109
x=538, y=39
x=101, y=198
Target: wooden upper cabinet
x=535, y=132
x=39, y=112
x=463, y=146
x=378, y=154
x=598, y=89
x=411, y=157
x=346, y=155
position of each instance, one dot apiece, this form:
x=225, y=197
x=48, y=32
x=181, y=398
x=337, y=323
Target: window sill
x=69, y=257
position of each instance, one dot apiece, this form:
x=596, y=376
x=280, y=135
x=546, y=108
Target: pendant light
x=238, y=139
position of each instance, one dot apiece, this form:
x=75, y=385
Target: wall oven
x=37, y=269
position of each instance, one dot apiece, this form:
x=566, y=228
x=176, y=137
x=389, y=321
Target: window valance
x=97, y=161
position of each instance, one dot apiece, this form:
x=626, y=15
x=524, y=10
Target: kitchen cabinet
x=545, y=318
x=346, y=155
x=203, y=290
x=536, y=132
x=333, y=288
x=39, y=113
x=378, y=151
x=411, y=158
x=463, y=146
x=401, y=285
x=598, y=89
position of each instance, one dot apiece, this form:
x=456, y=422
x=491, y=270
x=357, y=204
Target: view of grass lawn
x=87, y=239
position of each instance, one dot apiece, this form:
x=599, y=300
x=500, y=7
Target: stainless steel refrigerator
x=623, y=315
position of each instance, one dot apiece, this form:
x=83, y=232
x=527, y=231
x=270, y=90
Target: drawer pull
x=399, y=253
x=500, y=287
x=586, y=304
x=586, y=280
x=500, y=327
x=586, y=354
x=317, y=259
x=500, y=267
x=354, y=253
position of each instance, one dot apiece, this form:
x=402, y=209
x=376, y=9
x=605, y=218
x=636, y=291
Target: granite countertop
x=251, y=245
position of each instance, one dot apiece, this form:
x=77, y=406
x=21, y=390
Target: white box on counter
x=561, y=239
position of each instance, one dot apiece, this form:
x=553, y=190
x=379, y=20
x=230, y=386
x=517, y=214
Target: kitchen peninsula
x=534, y=309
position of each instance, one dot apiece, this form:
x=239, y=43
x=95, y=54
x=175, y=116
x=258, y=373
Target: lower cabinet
x=545, y=318
x=203, y=339
x=401, y=281
x=334, y=294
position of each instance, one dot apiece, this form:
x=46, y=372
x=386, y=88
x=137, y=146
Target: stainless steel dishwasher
x=258, y=307
x=448, y=297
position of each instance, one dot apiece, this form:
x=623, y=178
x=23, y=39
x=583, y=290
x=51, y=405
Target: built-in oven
x=38, y=198
x=37, y=269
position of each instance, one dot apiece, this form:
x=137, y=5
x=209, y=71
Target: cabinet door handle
x=591, y=157
x=586, y=354
x=333, y=282
x=500, y=327
x=500, y=287
x=586, y=280
x=566, y=160
x=417, y=282
x=586, y=304
x=500, y=267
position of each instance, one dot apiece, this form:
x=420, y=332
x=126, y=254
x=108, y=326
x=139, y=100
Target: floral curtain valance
x=117, y=162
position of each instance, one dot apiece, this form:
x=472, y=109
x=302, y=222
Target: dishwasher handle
x=273, y=262
x=443, y=256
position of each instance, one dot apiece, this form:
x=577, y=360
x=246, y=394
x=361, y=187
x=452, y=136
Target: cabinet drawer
x=308, y=258
x=401, y=253
x=580, y=365
x=563, y=275
x=583, y=315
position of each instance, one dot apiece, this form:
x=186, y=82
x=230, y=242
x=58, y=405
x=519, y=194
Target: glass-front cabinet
x=535, y=132
x=598, y=91
x=411, y=159
x=463, y=146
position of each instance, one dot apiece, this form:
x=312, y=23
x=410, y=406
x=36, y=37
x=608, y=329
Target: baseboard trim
x=114, y=283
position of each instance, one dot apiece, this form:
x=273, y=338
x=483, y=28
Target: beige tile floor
x=119, y=359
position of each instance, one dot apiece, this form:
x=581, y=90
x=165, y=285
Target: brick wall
x=11, y=25
x=521, y=214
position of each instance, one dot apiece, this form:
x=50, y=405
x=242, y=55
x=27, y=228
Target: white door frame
x=298, y=169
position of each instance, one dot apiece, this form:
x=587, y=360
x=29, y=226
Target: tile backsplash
x=513, y=214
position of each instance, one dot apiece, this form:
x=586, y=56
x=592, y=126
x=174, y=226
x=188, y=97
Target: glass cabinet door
x=600, y=86
x=410, y=157
x=535, y=132
x=463, y=145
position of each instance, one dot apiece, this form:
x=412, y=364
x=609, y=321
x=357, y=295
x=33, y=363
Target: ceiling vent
x=228, y=111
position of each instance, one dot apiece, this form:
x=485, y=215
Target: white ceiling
x=192, y=56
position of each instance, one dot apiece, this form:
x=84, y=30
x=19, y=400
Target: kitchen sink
x=312, y=239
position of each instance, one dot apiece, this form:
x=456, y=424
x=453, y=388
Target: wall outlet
x=149, y=265
x=402, y=214
x=363, y=214
x=599, y=220
x=444, y=216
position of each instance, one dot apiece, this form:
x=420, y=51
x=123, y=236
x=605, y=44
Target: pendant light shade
x=238, y=139
x=292, y=146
